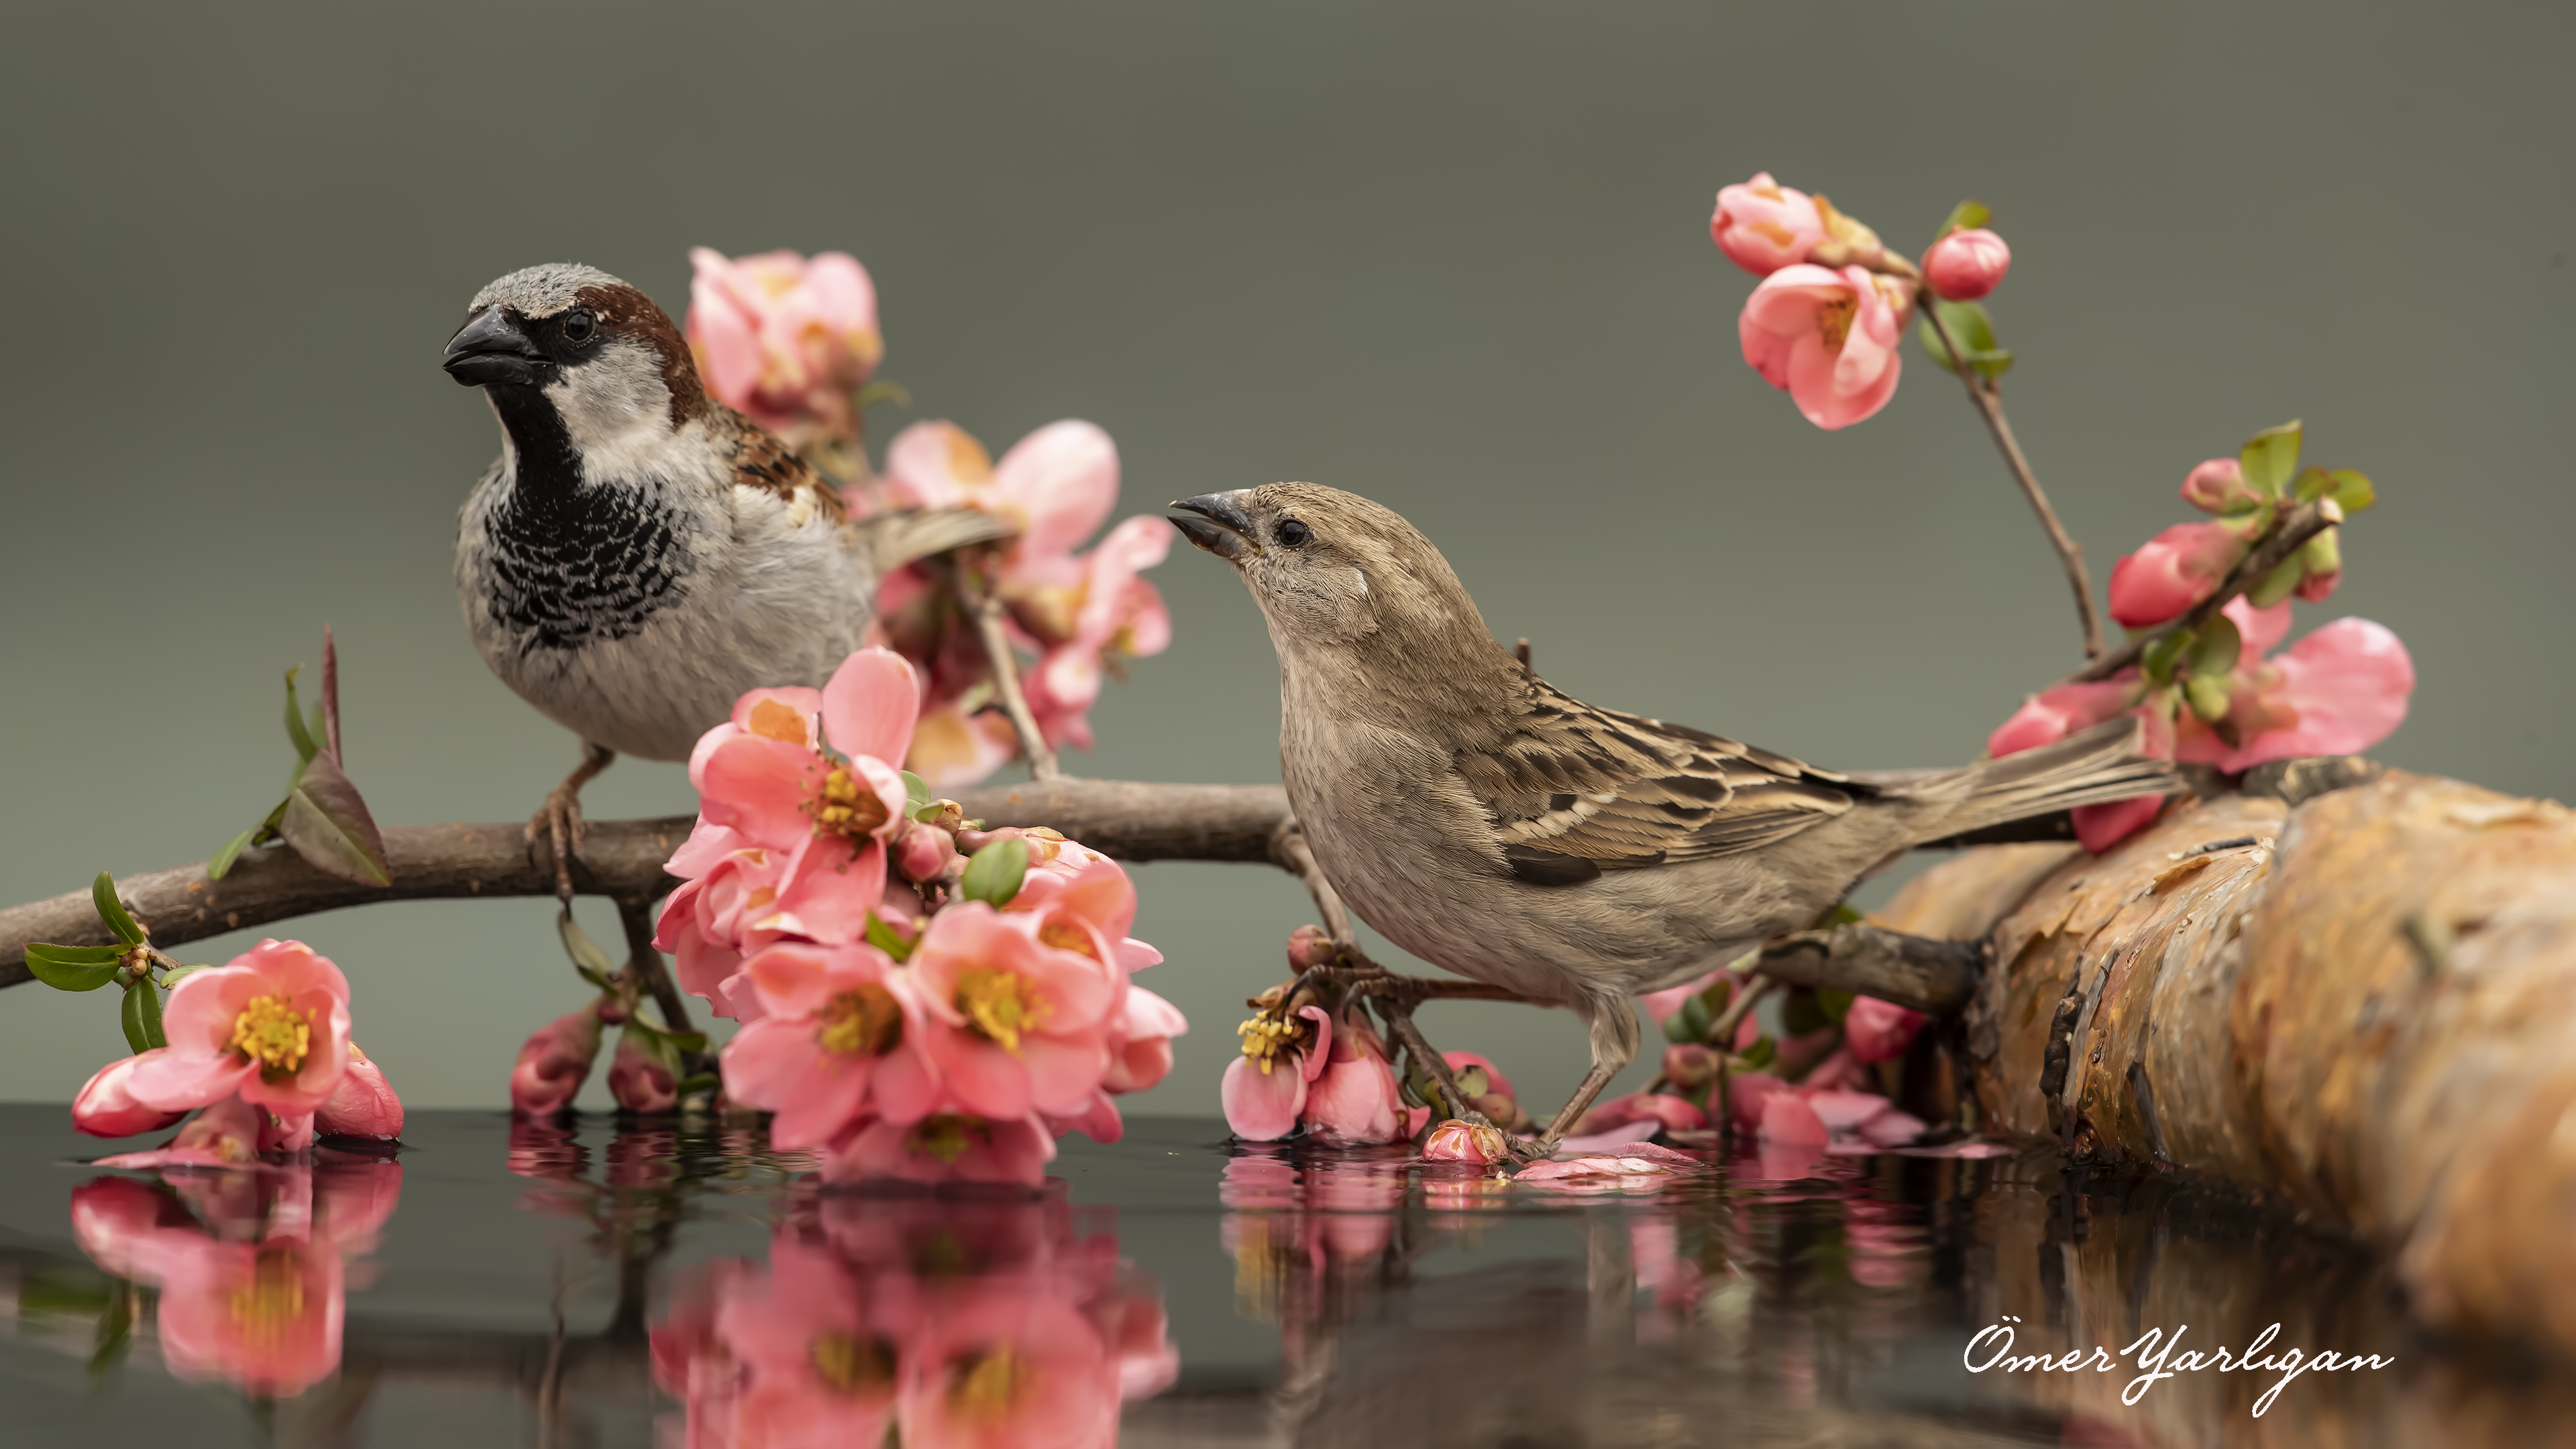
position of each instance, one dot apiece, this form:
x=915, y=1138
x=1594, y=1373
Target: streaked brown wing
x=1575, y=790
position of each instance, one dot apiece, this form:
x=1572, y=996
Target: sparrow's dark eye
x=577, y=327
x=1292, y=533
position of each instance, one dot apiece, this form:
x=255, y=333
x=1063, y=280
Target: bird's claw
x=559, y=821
x=1526, y=1150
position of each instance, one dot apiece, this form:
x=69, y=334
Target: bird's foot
x=559, y=823
x=1526, y=1150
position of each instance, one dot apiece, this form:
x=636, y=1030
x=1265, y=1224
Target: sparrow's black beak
x=493, y=350
x=1220, y=526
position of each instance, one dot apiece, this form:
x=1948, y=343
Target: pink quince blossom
x=790, y=840
x=1790, y=1120
x=838, y=1039
x=271, y=1025
x=2053, y=714
x=1457, y=1141
x=1879, y=1031
x=2338, y=691
x=785, y=340
x=264, y=1317
x=1663, y=1109
x=2173, y=571
x=639, y=1079
x=1013, y=1025
x=105, y=1108
x=1966, y=265
x=1353, y=1101
x=1763, y=226
x=364, y=1106
x=2218, y=486
x=1263, y=1099
x=554, y=1062
x=1829, y=339
x=226, y=1134
x=1140, y=1046
x=945, y=1147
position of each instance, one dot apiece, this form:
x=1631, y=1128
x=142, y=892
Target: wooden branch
x=1990, y=406
x=620, y=859
x=2358, y=1002
x=2287, y=537
x=1912, y=971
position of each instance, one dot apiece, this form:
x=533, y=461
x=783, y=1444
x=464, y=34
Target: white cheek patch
x=1361, y=575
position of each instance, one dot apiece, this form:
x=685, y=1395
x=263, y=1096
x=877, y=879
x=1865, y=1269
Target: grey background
x=1451, y=256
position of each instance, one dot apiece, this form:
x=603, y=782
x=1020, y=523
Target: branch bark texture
x=620, y=859
x=2361, y=1004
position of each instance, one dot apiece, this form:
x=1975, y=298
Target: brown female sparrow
x=640, y=554
x=1490, y=823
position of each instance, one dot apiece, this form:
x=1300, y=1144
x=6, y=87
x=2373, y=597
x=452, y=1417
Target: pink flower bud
x=554, y=1062
x=365, y=1105
x=1457, y=1141
x=1690, y=1066
x=1763, y=226
x=1966, y=265
x=103, y=1108
x=1879, y=1031
x=2175, y=570
x=925, y=854
x=638, y=1077
x=1309, y=947
x=2322, y=559
x=2219, y=486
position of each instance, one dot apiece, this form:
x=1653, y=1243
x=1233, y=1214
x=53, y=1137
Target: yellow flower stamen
x=864, y=1021
x=847, y=805
x=848, y=1365
x=271, y=1032
x=986, y=1386
x=1834, y=320
x=264, y=1308
x=1066, y=936
x=999, y=1006
x=945, y=1136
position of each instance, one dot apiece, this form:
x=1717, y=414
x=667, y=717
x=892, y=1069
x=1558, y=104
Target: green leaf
x=2276, y=585
x=916, y=789
x=148, y=1006
x=1759, y=1055
x=1835, y=1004
x=2313, y=483
x=328, y=824
x=232, y=849
x=995, y=873
x=74, y=968
x=592, y=962
x=883, y=937
x=132, y=1015
x=2157, y=660
x=2352, y=490
x=1966, y=216
x=316, y=727
x=879, y=390
x=1719, y=992
x=305, y=746
x=2270, y=458
x=2322, y=554
x=62, y=1290
x=102, y=893
x=115, y=1332
x=1975, y=332
x=2218, y=647
x=171, y=978
x=1695, y=1018
x=1677, y=1028
x=2208, y=696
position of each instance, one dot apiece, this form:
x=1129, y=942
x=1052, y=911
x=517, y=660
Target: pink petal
x=759, y=787
x=175, y=1083
x=1843, y=1111
x=698, y=854
x=1788, y=1120
x=1261, y=1106
x=1062, y=1072
x=870, y=704
x=1064, y=479
x=2099, y=827
x=2259, y=629
x=786, y=714
x=2349, y=681
x=828, y=891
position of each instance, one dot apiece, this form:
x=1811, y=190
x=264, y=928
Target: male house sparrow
x=640, y=554
x=1497, y=826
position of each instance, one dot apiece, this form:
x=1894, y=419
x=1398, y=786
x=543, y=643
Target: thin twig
x=1748, y=994
x=1289, y=851
x=645, y=964
x=1990, y=405
x=986, y=610
x=2286, y=538
x=1399, y=1019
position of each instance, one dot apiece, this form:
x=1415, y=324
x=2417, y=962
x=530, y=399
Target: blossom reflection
x=250, y=1264
x=936, y=1321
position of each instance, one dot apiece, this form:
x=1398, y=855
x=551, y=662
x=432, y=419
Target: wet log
x=2362, y=1005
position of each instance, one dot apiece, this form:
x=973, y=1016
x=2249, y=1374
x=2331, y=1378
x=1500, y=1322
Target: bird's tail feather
x=896, y=539
x=2090, y=767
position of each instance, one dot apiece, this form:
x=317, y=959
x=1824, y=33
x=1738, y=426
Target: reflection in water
x=994, y=1322
x=243, y=1270
x=681, y=1284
